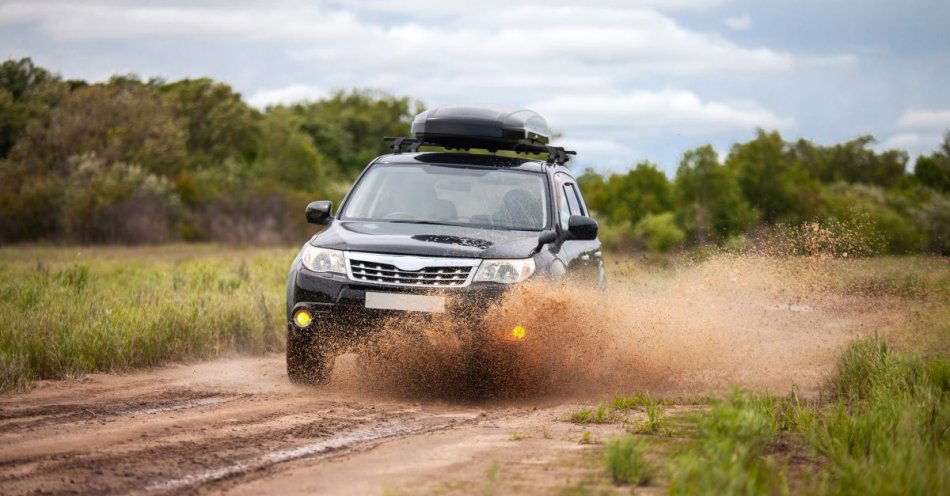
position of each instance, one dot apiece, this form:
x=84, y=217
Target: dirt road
x=238, y=426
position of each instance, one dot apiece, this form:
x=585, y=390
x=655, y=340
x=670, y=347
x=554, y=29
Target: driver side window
x=564, y=206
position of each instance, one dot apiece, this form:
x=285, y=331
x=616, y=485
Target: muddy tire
x=307, y=363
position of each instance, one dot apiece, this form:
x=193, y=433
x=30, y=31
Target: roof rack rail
x=556, y=154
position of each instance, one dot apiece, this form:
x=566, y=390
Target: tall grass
x=888, y=430
x=729, y=454
x=884, y=428
x=64, y=312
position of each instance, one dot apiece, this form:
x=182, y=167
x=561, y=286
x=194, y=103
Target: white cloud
x=739, y=23
x=676, y=112
x=600, y=153
x=920, y=132
x=578, y=63
x=439, y=8
x=925, y=119
x=914, y=143
x=288, y=94
x=610, y=37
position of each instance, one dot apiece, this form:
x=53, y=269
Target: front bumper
x=338, y=304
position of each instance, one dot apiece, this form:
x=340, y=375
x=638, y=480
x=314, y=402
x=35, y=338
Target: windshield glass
x=441, y=194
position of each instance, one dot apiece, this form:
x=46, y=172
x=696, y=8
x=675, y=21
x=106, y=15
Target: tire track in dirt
x=213, y=435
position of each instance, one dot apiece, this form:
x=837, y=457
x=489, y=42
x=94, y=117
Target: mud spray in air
x=764, y=322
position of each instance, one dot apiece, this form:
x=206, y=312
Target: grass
x=882, y=428
x=888, y=429
x=629, y=402
x=587, y=415
x=626, y=461
x=69, y=311
x=588, y=438
x=656, y=421
x=520, y=435
x=728, y=455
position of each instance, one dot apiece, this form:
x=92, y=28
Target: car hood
x=426, y=240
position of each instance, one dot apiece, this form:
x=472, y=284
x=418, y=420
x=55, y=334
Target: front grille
x=431, y=277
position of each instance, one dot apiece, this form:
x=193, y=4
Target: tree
x=711, y=206
x=288, y=156
x=642, y=191
x=934, y=170
x=218, y=124
x=660, y=232
x=118, y=122
x=763, y=170
x=348, y=127
x=27, y=95
x=627, y=198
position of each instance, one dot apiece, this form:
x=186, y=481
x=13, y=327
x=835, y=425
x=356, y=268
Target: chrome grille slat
x=442, y=272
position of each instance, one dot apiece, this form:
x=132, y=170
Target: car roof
x=455, y=158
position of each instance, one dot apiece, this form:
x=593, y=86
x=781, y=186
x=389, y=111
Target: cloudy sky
x=623, y=80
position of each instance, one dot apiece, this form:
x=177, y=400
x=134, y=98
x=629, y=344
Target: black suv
x=420, y=227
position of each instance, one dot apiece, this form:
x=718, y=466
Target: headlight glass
x=323, y=259
x=505, y=271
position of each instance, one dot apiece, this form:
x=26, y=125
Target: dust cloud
x=697, y=328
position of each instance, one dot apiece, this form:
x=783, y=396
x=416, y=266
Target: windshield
x=441, y=194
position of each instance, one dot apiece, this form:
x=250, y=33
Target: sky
x=622, y=81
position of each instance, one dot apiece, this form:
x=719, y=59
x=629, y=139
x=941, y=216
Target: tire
x=306, y=362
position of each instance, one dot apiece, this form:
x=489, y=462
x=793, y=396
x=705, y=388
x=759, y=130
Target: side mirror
x=318, y=212
x=582, y=227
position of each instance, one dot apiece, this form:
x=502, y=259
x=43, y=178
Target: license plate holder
x=405, y=302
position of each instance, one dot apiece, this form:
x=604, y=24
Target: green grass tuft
x=626, y=461
x=656, y=421
x=636, y=400
x=587, y=415
x=728, y=455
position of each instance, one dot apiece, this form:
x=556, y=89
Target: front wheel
x=307, y=363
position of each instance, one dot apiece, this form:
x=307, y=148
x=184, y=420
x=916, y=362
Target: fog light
x=518, y=332
x=302, y=318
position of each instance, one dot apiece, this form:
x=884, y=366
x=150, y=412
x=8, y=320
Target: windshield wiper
x=427, y=222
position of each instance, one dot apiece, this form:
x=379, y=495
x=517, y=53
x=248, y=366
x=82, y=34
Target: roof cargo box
x=492, y=128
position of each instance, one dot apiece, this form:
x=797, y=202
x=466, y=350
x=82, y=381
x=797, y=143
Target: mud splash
x=698, y=328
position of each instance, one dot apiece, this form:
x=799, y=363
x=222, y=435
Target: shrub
x=868, y=212
x=117, y=203
x=660, y=232
x=934, y=219
x=617, y=237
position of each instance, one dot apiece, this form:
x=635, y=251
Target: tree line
x=768, y=185
x=149, y=161
x=133, y=161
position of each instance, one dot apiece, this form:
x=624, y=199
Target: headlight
x=322, y=259
x=505, y=271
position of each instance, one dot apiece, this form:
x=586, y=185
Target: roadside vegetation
x=138, y=161
x=69, y=311
x=881, y=426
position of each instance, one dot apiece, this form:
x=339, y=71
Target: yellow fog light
x=302, y=318
x=518, y=332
